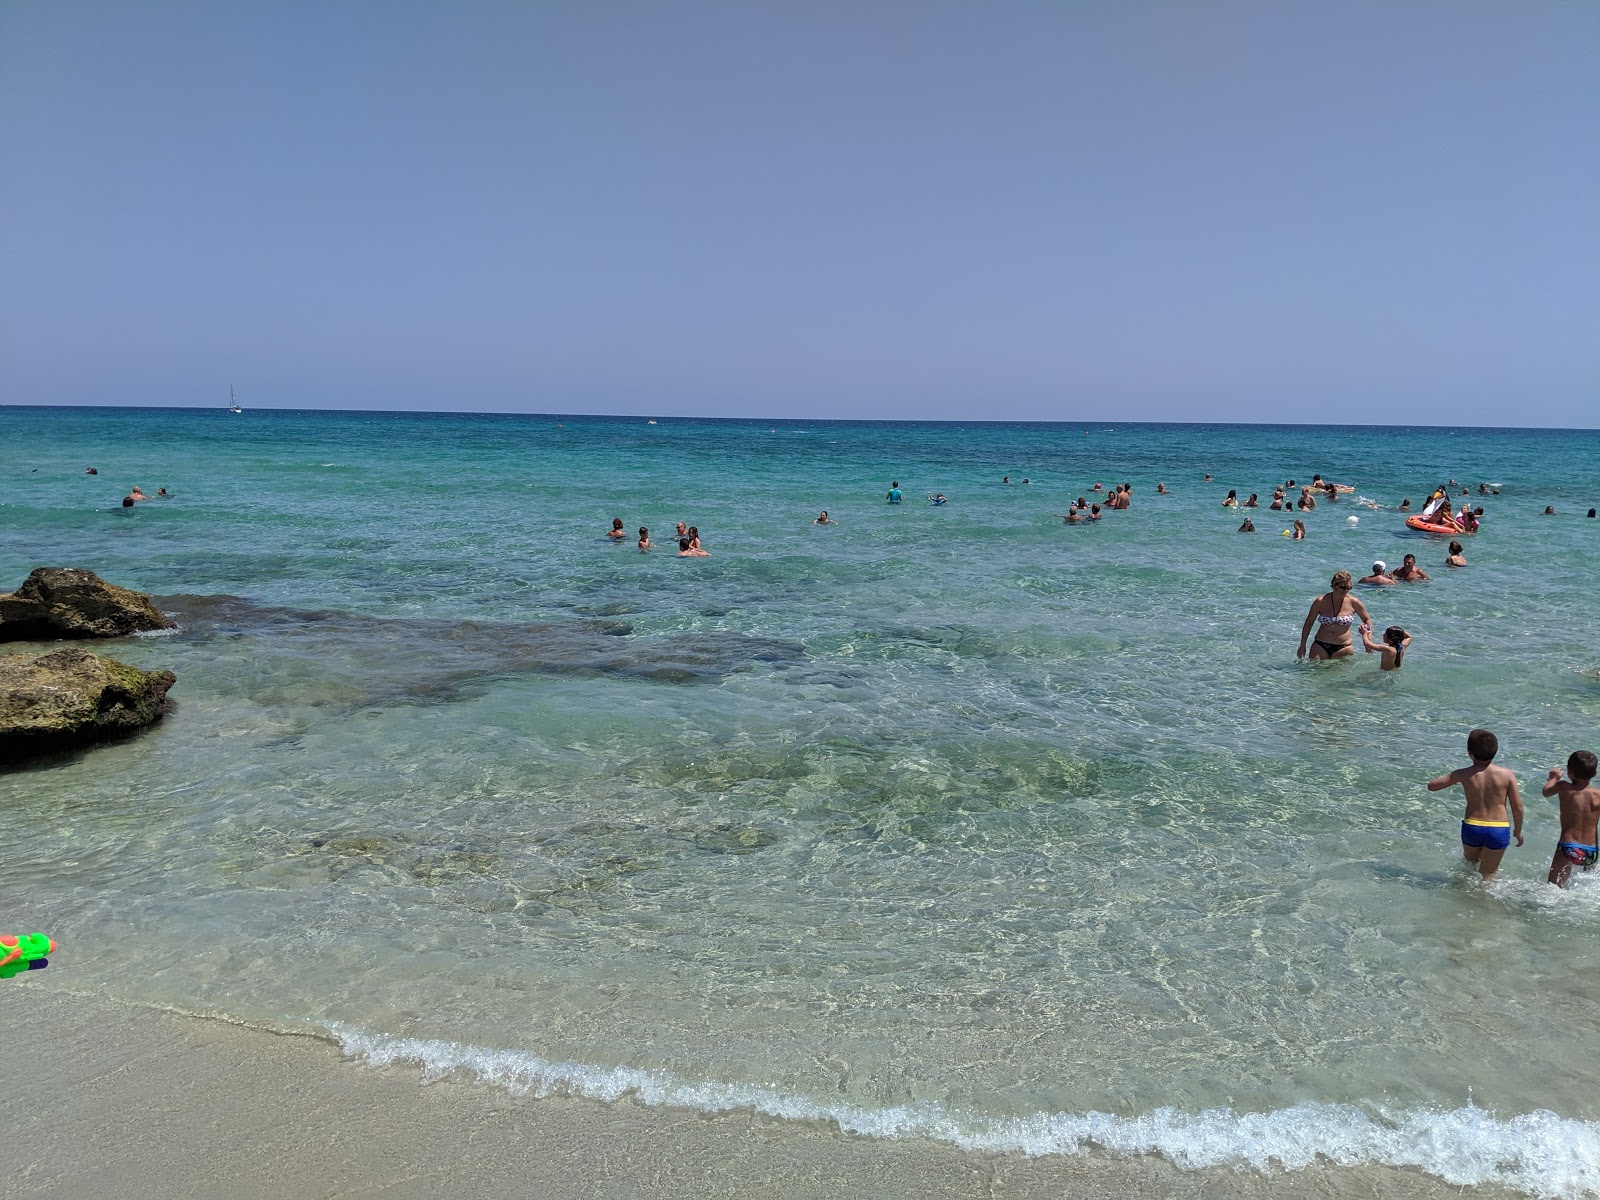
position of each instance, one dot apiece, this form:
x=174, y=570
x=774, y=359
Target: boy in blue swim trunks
x=1580, y=815
x=1491, y=790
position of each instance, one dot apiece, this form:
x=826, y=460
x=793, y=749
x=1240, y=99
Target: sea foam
x=1538, y=1153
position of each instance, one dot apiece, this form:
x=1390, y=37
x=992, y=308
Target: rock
x=58, y=602
x=71, y=697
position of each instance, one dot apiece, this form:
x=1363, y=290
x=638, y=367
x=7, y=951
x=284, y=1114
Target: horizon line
x=647, y=417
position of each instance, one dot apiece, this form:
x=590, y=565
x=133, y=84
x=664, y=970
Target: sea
x=937, y=821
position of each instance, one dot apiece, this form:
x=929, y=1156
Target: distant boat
x=233, y=405
x=651, y=421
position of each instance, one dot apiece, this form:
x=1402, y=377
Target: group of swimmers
x=1494, y=809
x=135, y=496
x=688, y=539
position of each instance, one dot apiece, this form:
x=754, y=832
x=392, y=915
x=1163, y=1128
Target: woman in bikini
x=1336, y=615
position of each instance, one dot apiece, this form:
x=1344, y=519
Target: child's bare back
x=1494, y=809
x=1580, y=816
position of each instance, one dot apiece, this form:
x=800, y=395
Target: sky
x=1375, y=213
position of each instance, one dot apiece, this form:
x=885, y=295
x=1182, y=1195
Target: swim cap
x=1379, y=567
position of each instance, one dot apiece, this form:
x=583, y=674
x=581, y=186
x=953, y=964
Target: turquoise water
x=948, y=821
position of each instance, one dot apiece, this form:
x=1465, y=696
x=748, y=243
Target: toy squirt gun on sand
x=25, y=953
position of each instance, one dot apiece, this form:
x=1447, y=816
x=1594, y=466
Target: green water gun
x=25, y=953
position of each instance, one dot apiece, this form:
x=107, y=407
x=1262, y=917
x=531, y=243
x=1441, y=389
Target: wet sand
x=102, y=1098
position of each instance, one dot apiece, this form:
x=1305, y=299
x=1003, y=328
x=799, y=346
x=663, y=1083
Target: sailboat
x=233, y=405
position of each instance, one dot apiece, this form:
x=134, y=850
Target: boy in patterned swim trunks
x=1491, y=790
x=1580, y=814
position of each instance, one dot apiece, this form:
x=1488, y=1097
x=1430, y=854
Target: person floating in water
x=1409, y=572
x=1380, y=576
x=1392, y=649
x=90, y=471
x=1249, y=526
x=1491, y=791
x=936, y=498
x=1161, y=489
x=1456, y=559
x=824, y=519
x=1578, y=845
x=617, y=533
x=894, y=496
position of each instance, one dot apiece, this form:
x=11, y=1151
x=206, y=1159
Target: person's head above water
x=1379, y=566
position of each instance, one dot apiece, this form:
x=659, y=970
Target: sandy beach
x=108, y=1099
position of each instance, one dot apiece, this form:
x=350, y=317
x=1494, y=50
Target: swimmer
x=163, y=493
x=936, y=498
x=1083, y=503
x=1335, y=614
x=1207, y=478
x=644, y=540
x=127, y=502
x=1578, y=845
x=1456, y=559
x=824, y=519
x=136, y=495
x=1232, y=500
x=1161, y=490
x=685, y=550
x=683, y=530
x=1250, y=503
x=694, y=537
x=1249, y=526
x=1096, y=488
x=1094, y=512
x=1486, y=831
x=616, y=532
x=1277, y=504
x=1070, y=516
x=1007, y=479
x=1299, y=531
x=1405, y=505
x=1025, y=479
x=1392, y=648
x=1549, y=511
x=1380, y=576
x=894, y=493
x=1409, y=572
x=90, y=471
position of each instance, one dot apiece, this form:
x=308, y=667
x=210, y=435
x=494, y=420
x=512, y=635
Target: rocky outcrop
x=71, y=697
x=62, y=602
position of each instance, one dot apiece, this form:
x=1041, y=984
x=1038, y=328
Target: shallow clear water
x=954, y=807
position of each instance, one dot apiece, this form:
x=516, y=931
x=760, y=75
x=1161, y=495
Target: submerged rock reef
x=72, y=697
x=66, y=602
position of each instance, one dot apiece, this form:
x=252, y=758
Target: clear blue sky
x=1287, y=211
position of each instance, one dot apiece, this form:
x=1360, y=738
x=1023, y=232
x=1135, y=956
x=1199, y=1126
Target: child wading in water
x=1580, y=814
x=1392, y=648
x=1485, y=831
